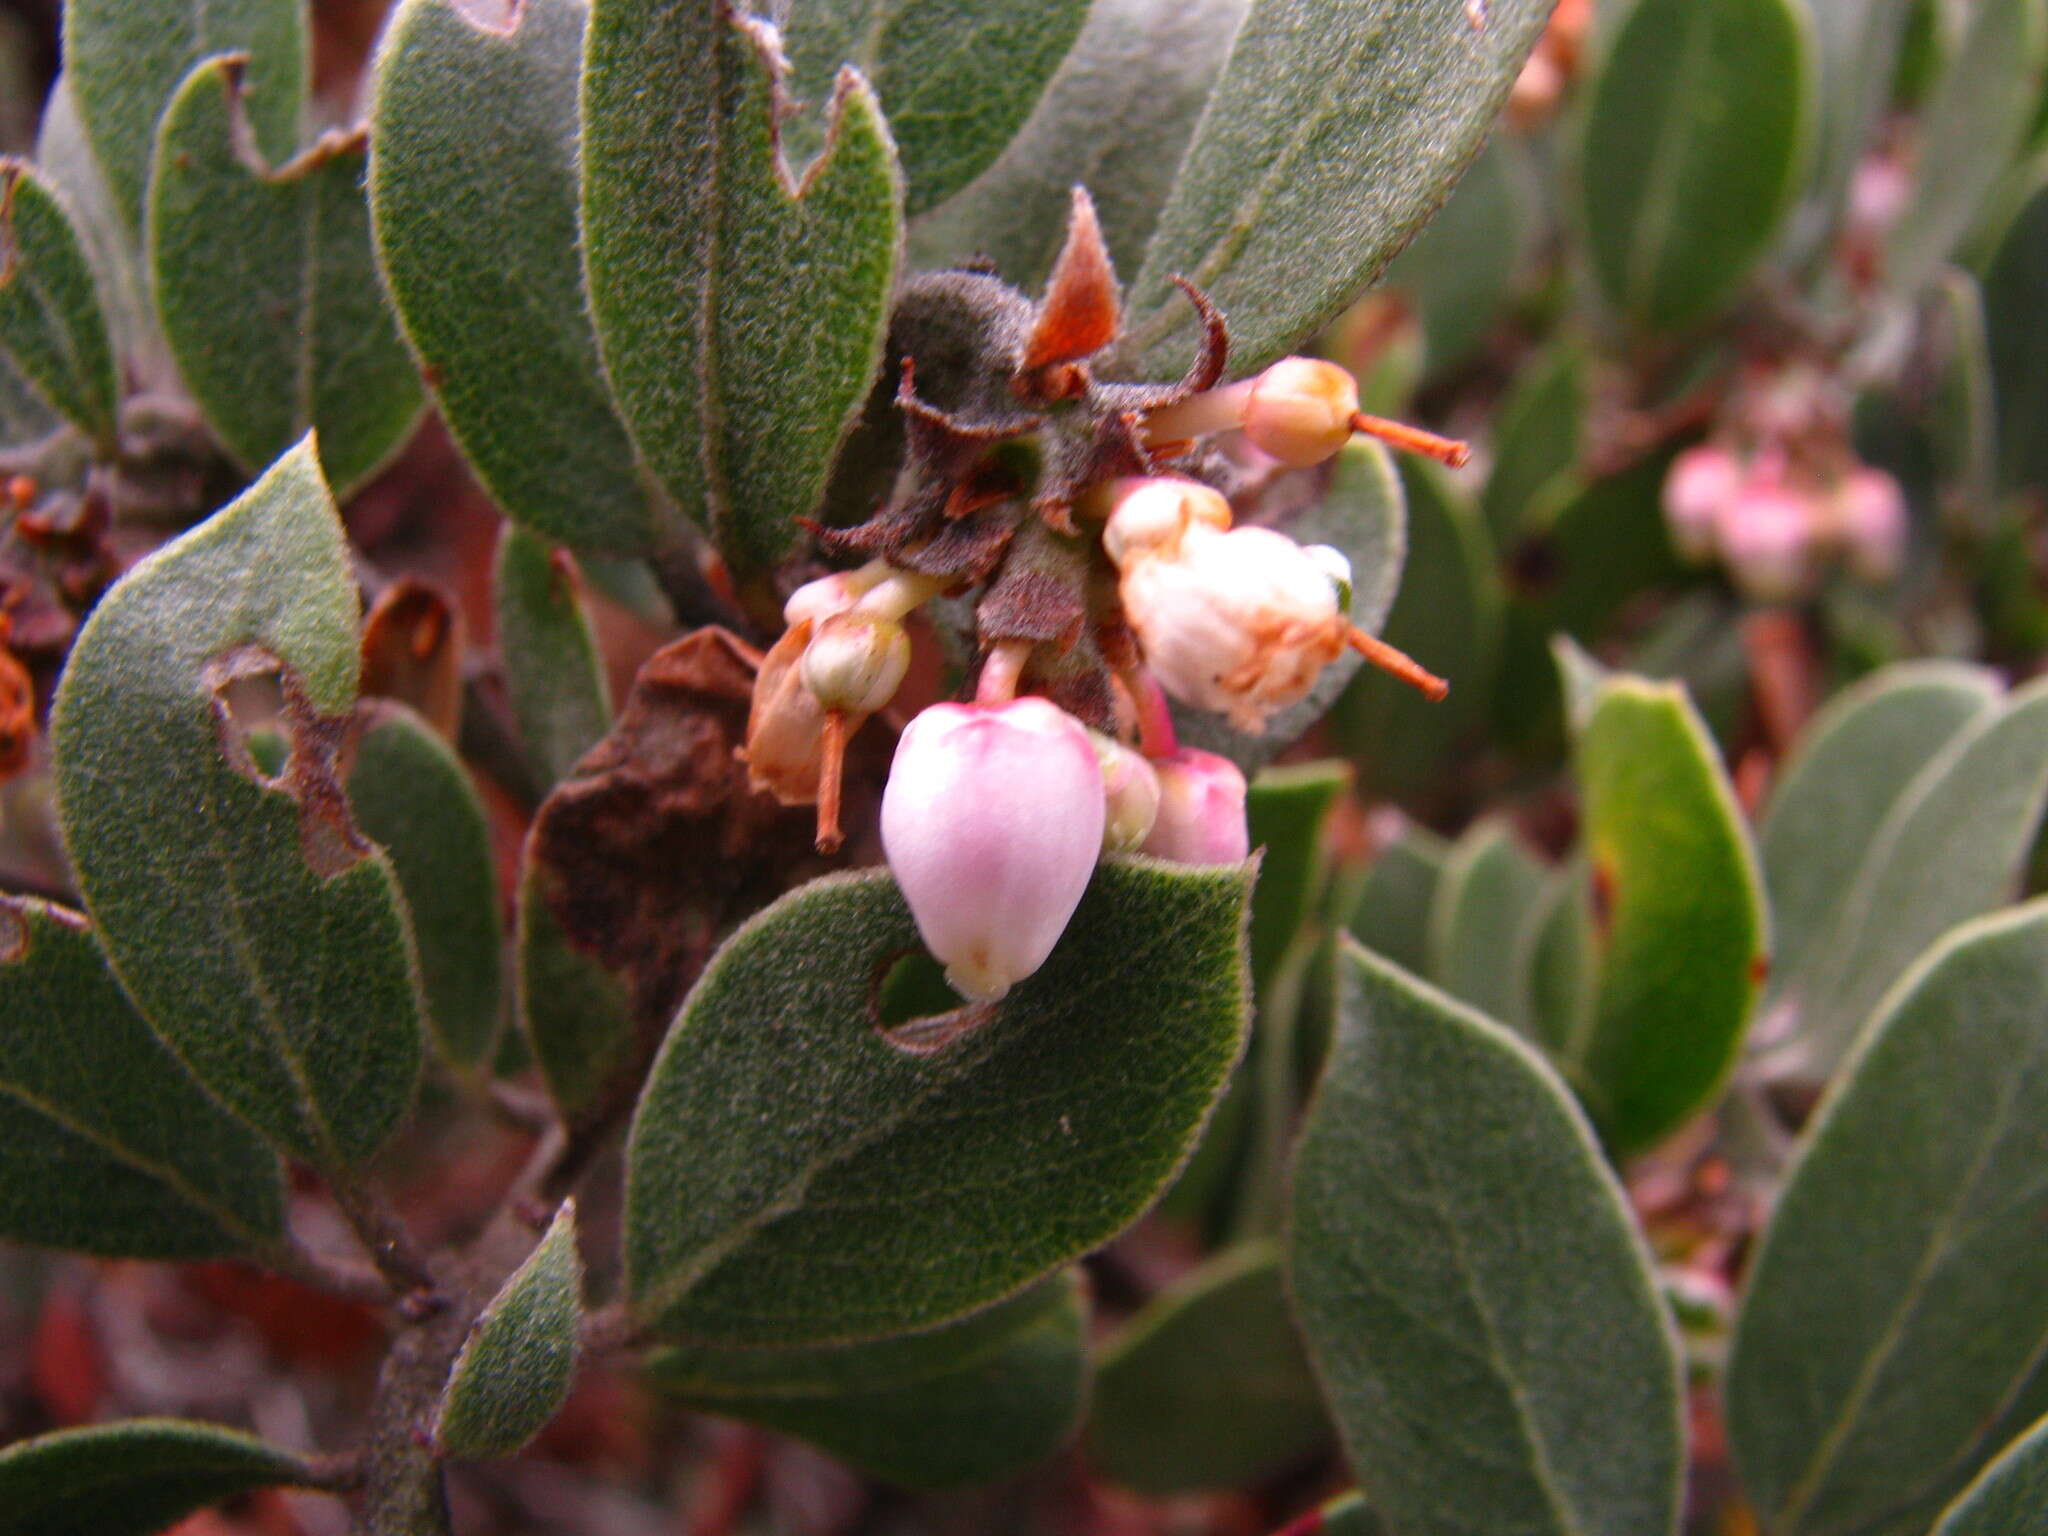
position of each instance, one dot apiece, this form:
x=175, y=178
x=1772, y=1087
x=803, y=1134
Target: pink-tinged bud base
x=1201, y=810
x=992, y=821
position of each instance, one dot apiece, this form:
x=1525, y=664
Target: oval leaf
x=125, y=58
x=1901, y=1293
x=106, y=1144
x=553, y=670
x=514, y=1371
x=1481, y=906
x=1856, y=59
x=956, y=85
x=1286, y=811
x=259, y=933
x=1336, y=130
x=133, y=1479
x=476, y=228
x=411, y=794
x=1473, y=1289
x=51, y=326
x=1392, y=913
x=1678, y=919
x=740, y=313
x=1461, y=269
x=1680, y=201
x=1537, y=439
x=797, y=1176
x=267, y=287
x=1207, y=1387
x=2010, y=1498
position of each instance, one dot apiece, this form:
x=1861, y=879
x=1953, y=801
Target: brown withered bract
x=412, y=651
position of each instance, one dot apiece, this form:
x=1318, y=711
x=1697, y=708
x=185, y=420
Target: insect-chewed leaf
x=553, y=671
x=514, y=1371
x=797, y=1175
x=132, y=1479
x=258, y=932
x=51, y=326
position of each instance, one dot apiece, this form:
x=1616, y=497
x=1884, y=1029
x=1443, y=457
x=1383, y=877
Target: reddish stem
x=1398, y=663
x=1445, y=450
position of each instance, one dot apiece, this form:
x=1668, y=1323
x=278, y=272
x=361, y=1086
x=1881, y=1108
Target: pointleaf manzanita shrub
x=1593, y=1084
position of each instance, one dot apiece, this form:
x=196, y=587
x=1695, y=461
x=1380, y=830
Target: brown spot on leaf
x=1759, y=970
x=413, y=645
x=1603, y=897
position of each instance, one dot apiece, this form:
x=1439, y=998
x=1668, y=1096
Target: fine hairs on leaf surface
x=51, y=326
x=134, y=1478
x=514, y=1371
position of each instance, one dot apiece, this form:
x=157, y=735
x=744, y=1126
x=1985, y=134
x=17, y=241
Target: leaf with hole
x=51, y=326
x=259, y=933
x=134, y=1478
x=1207, y=1387
x=1900, y=1297
x=411, y=794
x=554, y=673
x=473, y=195
x=106, y=1144
x=796, y=1175
x=515, y=1368
x=268, y=290
x=1474, y=1292
x=739, y=312
x=1336, y=130
x=1695, y=127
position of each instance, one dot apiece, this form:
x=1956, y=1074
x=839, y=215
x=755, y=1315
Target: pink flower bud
x=1201, y=810
x=1870, y=510
x=1300, y=410
x=1701, y=482
x=992, y=821
x=1130, y=794
x=1767, y=538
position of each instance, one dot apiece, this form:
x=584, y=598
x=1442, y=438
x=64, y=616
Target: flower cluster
x=1087, y=527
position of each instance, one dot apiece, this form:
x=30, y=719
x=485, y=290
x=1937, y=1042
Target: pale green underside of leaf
x=291, y=995
x=51, y=326
x=554, y=673
x=1475, y=1296
x=106, y=1144
x=515, y=1368
x=473, y=192
x=134, y=1478
x=740, y=321
x=1900, y=1298
x=268, y=290
x=1337, y=128
x=796, y=1177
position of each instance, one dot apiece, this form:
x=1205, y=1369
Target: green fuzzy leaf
x=1900, y=1297
x=125, y=59
x=964, y=1404
x=515, y=1368
x=51, y=327
x=1481, y=905
x=576, y=1015
x=1336, y=130
x=410, y=793
x=473, y=194
x=797, y=1176
x=1363, y=515
x=554, y=673
x=1287, y=809
x=268, y=290
x=957, y=77
x=1538, y=439
x=2010, y=1498
x=740, y=314
x=1561, y=943
x=1391, y=917
x=1695, y=127
x=1951, y=847
x=1678, y=922
x=1849, y=768
x=1207, y=1387
x=1115, y=119
x=1461, y=269
x=1447, y=615
x=135, y=1478
x=106, y=1144
x=264, y=940
x=1475, y=1295
x=25, y=416
x=2015, y=302
x=1971, y=128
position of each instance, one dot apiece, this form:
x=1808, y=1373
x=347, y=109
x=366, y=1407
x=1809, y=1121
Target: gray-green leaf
x=134, y=1478
x=1336, y=130
x=514, y=1371
x=2010, y=1498
x=473, y=194
x=1479, y=910
x=740, y=313
x=1474, y=1292
x=1901, y=1293
x=258, y=932
x=1461, y=268
x=1391, y=917
x=268, y=289
x=554, y=675
x=51, y=326
x=106, y=1144
x=797, y=1176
